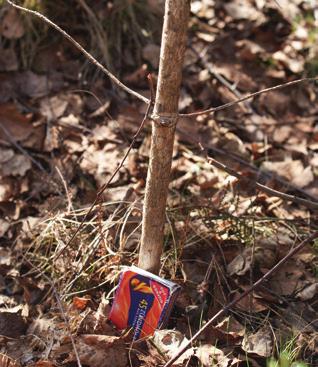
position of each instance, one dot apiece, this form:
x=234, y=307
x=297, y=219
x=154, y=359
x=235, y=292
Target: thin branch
x=240, y=160
x=295, y=199
x=105, y=186
x=83, y=51
x=226, y=308
x=67, y=193
x=232, y=103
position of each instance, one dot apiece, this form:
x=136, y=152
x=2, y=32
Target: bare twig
x=226, y=308
x=261, y=173
x=83, y=51
x=232, y=103
x=264, y=188
x=67, y=193
x=105, y=186
x=209, y=66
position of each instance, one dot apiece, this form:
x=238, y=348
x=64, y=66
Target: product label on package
x=140, y=302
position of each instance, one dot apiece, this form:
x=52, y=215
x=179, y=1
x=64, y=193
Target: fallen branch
x=258, y=93
x=82, y=50
x=226, y=308
x=264, y=188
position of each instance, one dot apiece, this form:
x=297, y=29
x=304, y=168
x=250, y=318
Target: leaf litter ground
x=59, y=144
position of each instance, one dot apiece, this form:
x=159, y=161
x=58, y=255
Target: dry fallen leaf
x=169, y=341
x=12, y=25
x=259, y=343
x=292, y=170
x=4, y=226
x=16, y=127
x=12, y=164
x=209, y=355
x=100, y=350
x=242, y=9
x=80, y=303
x=308, y=292
x=12, y=325
x=241, y=263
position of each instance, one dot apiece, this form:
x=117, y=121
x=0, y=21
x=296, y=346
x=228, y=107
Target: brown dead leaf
x=228, y=331
x=53, y=107
x=231, y=326
x=19, y=128
x=101, y=163
x=12, y=164
x=287, y=280
x=137, y=77
x=12, y=25
x=80, y=303
x=259, y=343
x=4, y=226
x=292, y=170
x=12, y=325
x=101, y=317
x=33, y=292
x=282, y=133
x=209, y=355
x=294, y=64
x=242, y=9
x=100, y=350
x=33, y=85
x=276, y=103
x=308, y=292
x=168, y=341
x=241, y=263
x=251, y=303
x=6, y=361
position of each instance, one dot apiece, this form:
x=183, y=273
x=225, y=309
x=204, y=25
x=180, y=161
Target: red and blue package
x=143, y=301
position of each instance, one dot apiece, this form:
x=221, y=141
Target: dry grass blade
x=6, y=361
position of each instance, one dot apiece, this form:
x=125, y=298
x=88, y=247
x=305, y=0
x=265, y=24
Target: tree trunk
x=163, y=128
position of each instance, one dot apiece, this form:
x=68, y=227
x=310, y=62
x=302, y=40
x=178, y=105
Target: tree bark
x=164, y=117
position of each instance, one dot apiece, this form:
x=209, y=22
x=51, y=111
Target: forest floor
x=64, y=128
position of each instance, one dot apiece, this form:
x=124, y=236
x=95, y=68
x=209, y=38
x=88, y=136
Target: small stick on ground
x=226, y=308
